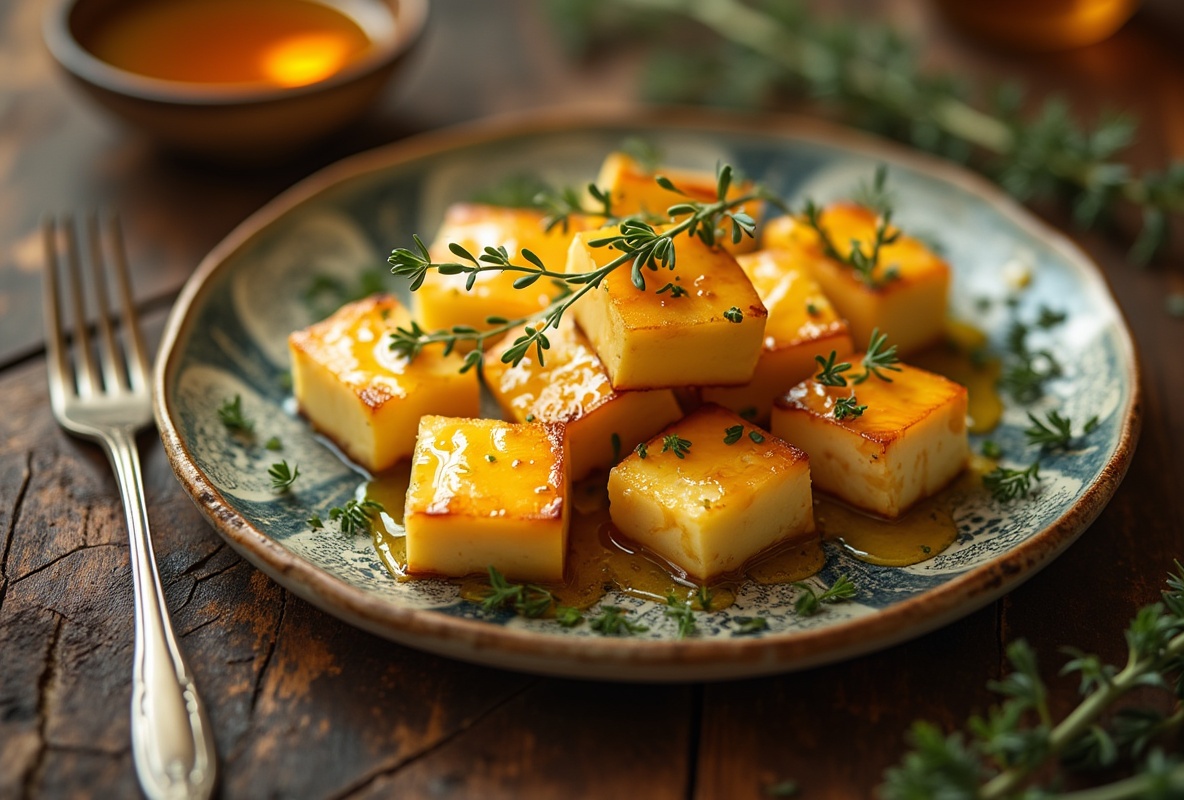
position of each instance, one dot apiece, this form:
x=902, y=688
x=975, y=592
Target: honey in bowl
x=282, y=43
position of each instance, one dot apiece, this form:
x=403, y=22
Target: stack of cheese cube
x=667, y=389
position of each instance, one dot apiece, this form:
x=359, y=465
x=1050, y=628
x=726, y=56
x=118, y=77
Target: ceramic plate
x=227, y=336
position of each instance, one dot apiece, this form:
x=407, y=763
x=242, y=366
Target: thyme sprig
x=1006, y=484
x=355, y=517
x=642, y=247
x=611, y=621
x=875, y=79
x=525, y=599
x=862, y=262
x=232, y=417
x=683, y=613
x=811, y=602
x=282, y=476
x=847, y=407
x=1009, y=752
x=1055, y=431
x=877, y=358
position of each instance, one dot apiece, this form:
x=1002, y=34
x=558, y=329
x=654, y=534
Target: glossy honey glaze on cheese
x=601, y=559
x=271, y=42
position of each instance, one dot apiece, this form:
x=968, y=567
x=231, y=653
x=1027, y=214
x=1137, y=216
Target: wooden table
x=305, y=706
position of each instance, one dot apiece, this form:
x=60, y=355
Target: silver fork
x=172, y=743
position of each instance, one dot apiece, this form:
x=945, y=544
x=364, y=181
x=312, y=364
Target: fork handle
x=172, y=742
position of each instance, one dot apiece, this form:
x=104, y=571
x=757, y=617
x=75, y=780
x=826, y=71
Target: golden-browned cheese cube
x=801, y=324
x=910, y=308
x=909, y=442
x=735, y=492
x=632, y=189
x=442, y=301
x=368, y=399
x=707, y=331
x=487, y=493
x=572, y=387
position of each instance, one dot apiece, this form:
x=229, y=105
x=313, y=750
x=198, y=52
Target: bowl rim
x=410, y=17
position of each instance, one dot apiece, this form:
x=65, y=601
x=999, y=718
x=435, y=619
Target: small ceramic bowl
x=232, y=122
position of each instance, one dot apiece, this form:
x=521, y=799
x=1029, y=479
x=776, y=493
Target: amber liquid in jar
x=1041, y=24
x=231, y=42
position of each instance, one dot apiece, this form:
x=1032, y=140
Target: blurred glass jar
x=1040, y=24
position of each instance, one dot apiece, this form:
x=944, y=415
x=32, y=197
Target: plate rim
x=584, y=657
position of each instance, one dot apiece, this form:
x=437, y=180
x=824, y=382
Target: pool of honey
x=600, y=559
x=274, y=42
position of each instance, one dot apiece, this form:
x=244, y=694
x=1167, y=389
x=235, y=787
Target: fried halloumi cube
x=700, y=323
x=801, y=324
x=442, y=301
x=573, y=387
x=368, y=399
x=632, y=189
x=711, y=492
x=908, y=293
x=488, y=493
x=909, y=441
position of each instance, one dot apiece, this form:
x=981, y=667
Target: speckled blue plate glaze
x=227, y=336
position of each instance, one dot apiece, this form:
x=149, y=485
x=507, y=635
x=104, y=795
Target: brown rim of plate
x=665, y=660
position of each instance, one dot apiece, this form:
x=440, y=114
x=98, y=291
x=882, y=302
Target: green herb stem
x=1084, y=715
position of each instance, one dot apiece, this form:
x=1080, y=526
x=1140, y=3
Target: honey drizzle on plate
x=600, y=559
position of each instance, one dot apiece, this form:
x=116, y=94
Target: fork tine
x=110, y=361
x=59, y=370
x=137, y=360
x=86, y=375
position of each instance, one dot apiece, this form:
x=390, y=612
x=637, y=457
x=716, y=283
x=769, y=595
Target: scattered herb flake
x=747, y=626
x=733, y=434
x=676, y=444
x=282, y=476
x=756, y=436
x=611, y=621
x=231, y=414
x=734, y=314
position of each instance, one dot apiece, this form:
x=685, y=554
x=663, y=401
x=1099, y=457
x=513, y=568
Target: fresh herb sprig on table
x=874, y=79
x=641, y=247
x=1011, y=752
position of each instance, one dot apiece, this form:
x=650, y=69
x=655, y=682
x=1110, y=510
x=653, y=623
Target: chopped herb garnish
x=568, y=616
x=878, y=358
x=282, y=476
x=356, y=516
x=676, y=444
x=812, y=309
x=991, y=449
x=530, y=417
x=683, y=614
x=274, y=443
x=491, y=458
x=748, y=413
x=674, y=289
x=1009, y=484
x=641, y=450
x=831, y=372
x=756, y=436
x=864, y=263
x=810, y=603
x=1091, y=425
x=846, y=407
x=1049, y=318
x=315, y=523
x=734, y=314
x=1055, y=432
x=705, y=597
x=747, y=626
x=733, y=434
x=231, y=414
x=612, y=622
x=525, y=599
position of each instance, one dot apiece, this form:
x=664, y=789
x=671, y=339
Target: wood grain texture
x=305, y=706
